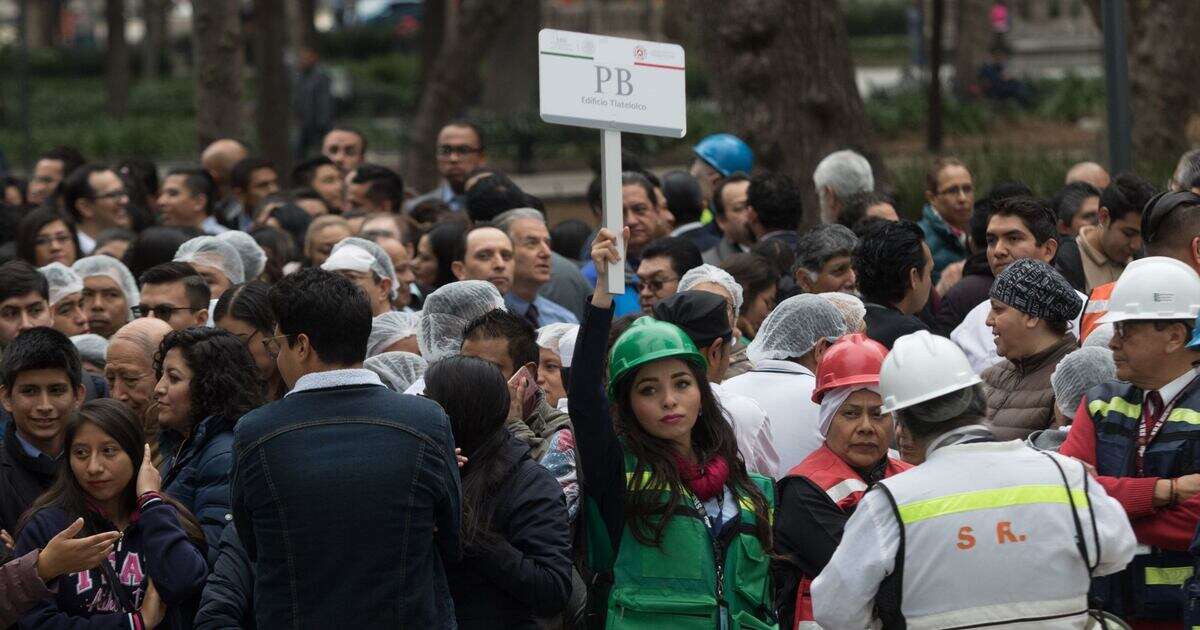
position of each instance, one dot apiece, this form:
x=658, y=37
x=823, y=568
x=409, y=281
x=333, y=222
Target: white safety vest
x=988, y=538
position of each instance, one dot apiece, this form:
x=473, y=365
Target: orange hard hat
x=852, y=360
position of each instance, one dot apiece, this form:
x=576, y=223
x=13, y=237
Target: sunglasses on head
x=1160, y=207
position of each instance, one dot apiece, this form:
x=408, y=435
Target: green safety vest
x=675, y=586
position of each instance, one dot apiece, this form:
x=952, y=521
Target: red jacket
x=845, y=488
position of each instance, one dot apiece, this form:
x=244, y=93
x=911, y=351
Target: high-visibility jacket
x=680, y=583
x=1151, y=587
x=981, y=534
x=1096, y=307
x=845, y=488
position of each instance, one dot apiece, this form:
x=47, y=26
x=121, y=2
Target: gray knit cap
x=1038, y=290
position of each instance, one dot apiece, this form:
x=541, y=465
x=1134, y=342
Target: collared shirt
x=1169, y=391
x=783, y=390
x=87, y=244
x=548, y=312
x=30, y=449
x=686, y=227
x=335, y=378
x=212, y=227
x=1098, y=269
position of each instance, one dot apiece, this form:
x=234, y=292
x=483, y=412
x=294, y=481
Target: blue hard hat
x=1194, y=344
x=726, y=153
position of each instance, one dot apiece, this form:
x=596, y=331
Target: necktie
x=1154, y=409
x=531, y=315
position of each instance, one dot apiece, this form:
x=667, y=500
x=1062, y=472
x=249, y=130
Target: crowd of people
x=237, y=398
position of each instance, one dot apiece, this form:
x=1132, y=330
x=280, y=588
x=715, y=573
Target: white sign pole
x=615, y=85
x=614, y=213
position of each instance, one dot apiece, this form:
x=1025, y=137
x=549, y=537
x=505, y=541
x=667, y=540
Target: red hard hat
x=852, y=360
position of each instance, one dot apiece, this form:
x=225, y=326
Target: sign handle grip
x=614, y=217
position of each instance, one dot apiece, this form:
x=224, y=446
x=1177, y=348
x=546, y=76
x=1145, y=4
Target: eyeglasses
x=1125, y=328
x=1160, y=207
x=58, y=239
x=271, y=344
x=160, y=311
x=447, y=150
x=116, y=194
x=962, y=189
x=657, y=283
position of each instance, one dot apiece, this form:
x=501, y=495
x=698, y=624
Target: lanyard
x=1146, y=434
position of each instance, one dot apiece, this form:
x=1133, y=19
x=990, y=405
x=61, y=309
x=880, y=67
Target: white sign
x=612, y=83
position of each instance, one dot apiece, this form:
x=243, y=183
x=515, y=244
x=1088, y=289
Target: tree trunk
x=217, y=45
x=782, y=76
x=116, y=59
x=511, y=66
x=273, y=110
x=442, y=97
x=971, y=41
x=43, y=21
x=154, y=14
x=1162, y=57
x=433, y=33
x=308, y=22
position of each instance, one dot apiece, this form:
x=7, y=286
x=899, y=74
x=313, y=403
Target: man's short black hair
x=493, y=194
x=41, y=348
x=77, y=185
x=304, y=172
x=330, y=310
x=884, y=258
x=348, y=129
x=1038, y=218
x=776, y=200
x=718, y=204
x=500, y=324
x=682, y=252
x=1127, y=193
x=18, y=278
x=855, y=207
x=198, y=182
x=1068, y=200
x=198, y=293
x=69, y=156
x=239, y=177
x=685, y=200
x=389, y=189
x=462, y=122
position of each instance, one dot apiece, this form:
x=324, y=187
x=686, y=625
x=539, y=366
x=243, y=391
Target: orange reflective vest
x=1096, y=307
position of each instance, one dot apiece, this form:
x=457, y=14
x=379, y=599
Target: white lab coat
x=783, y=389
x=954, y=581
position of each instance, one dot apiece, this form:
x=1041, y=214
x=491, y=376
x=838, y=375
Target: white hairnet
x=1099, y=337
x=448, y=311
x=381, y=265
x=559, y=339
x=1078, y=372
x=712, y=273
x=794, y=327
x=213, y=252
x=63, y=281
x=853, y=310
x=397, y=370
x=92, y=348
x=254, y=259
x=109, y=267
x=390, y=327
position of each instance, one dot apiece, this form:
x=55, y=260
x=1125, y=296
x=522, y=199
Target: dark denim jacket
x=347, y=499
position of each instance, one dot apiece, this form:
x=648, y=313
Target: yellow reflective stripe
x=1117, y=404
x=988, y=499
x=1184, y=415
x=1167, y=576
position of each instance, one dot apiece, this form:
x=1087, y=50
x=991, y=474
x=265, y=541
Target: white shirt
x=752, y=428
x=1172, y=389
x=977, y=342
x=417, y=388
x=783, y=389
x=213, y=227
x=335, y=378
x=87, y=244
x=844, y=593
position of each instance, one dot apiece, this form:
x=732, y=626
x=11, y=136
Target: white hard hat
x=921, y=367
x=1155, y=287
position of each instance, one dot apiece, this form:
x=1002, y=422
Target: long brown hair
x=117, y=421
x=712, y=436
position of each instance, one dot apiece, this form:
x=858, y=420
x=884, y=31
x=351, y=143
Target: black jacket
x=527, y=573
x=808, y=528
x=974, y=288
x=1069, y=262
x=886, y=324
x=22, y=479
x=228, y=600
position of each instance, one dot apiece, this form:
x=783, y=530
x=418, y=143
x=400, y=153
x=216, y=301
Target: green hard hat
x=645, y=341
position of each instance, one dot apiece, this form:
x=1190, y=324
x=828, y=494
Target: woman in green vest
x=678, y=533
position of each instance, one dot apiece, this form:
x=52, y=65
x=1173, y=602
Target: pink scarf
x=705, y=482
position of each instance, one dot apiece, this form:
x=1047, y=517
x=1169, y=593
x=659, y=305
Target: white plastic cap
x=921, y=367
x=1156, y=287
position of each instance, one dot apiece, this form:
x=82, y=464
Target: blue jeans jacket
x=347, y=499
